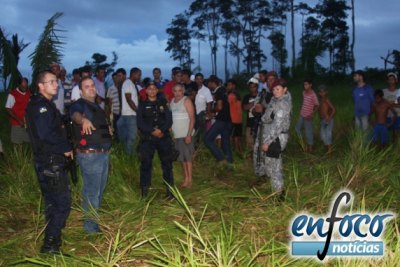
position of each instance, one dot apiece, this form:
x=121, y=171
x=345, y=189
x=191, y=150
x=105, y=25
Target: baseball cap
x=253, y=80
x=392, y=74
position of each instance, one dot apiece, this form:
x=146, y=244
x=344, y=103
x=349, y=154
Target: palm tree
x=10, y=56
x=48, y=49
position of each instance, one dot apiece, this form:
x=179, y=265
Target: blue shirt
x=363, y=98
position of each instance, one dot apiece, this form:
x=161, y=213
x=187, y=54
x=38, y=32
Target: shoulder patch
x=43, y=110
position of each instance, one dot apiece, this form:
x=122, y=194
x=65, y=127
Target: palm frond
x=49, y=47
x=9, y=62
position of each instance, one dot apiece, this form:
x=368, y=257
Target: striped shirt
x=310, y=100
x=112, y=93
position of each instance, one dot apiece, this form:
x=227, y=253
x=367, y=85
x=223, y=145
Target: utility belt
x=54, y=171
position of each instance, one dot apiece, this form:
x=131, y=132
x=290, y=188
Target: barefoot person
x=326, y=113
x=183, y=120
x=380, y=110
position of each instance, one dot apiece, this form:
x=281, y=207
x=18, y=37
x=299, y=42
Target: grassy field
x=221, y=221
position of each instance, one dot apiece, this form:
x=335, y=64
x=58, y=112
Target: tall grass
x=222, y=221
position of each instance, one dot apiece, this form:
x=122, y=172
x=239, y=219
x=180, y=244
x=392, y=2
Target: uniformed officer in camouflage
x=274, y=135
x=51, y=150
x=154, y=120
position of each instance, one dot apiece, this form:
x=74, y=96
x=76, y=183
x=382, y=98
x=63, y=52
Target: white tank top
x=180, y=118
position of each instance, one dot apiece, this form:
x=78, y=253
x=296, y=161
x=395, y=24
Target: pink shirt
x=310, y=100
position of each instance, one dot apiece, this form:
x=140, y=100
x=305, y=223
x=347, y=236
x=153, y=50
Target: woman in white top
x=183, y=120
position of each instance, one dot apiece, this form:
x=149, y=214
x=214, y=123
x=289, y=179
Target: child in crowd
x=235, y=107
x=380, y=110
x=326, y=112
x=309, y=107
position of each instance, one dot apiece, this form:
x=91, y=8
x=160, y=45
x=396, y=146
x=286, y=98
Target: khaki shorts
x=19, y=135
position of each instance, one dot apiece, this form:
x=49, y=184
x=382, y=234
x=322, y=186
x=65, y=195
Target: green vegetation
x=221, y=221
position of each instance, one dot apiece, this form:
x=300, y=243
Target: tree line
x=239, y=27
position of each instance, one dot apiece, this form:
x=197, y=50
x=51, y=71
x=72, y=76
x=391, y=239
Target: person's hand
x=258, y=108
x=188, y=139
x=69, y=154
x=110, y=130
x=87, y=126
x=265, y=147
x=157, y=133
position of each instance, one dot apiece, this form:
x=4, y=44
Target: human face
x=391, y=80
x=230, y=87
x=357, y=78
x=178, y=92
x=253, y=87
x=322, y=92
x=199, y=81
x=278, y=91
x=55, y=69
x=48, y=87
x=100, y=74
x=156, y=74
x=178, y=77
x=151, y=92
x=88, y=90
x=270, y=80
x=23, y=86
x=307, y=86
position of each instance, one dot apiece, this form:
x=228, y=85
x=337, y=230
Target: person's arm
x=128, y=97
x=190, y=110
x=280, y=124
x=332, y=109
x=87, y=126
x=373, y=111
x=14, y=116
x=394, y=118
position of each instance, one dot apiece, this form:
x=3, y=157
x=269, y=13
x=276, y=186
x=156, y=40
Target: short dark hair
x=156, y=68
x=231, y=81
x=378, y=92
x=83, y=69
x=214, y=79
x=187, y=72
x=41, y=75
x=134, y=70
x=82, y=80
x=199, y=74
x=121, y=70
x=98, y=68
x=264, y=72
x=75, y=71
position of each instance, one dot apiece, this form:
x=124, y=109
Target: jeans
x=308, y=129
x=94, y=168
x=223, y=128
x=127, y=129
x=326, y=131
x=362, y=122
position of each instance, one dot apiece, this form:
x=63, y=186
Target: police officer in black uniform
x=154, y=119
x=51, y=150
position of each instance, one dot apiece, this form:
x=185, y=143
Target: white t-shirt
x=101, y=90
x=392, y=96
x=202, y=98
x=75, y=94
x=59, y=98
x=128, y=88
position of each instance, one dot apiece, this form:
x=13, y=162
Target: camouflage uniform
x=275, y=123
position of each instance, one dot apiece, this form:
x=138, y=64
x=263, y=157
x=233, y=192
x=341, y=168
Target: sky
x=135, y=30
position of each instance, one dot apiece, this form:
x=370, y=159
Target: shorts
x=237, y=129
x=396, y=124
x=380, y=134
x=19, y=135
x=186, y=151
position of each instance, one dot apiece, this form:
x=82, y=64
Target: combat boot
x=51, y=245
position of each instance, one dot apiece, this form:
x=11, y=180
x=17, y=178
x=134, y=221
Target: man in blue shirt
x=363, y=97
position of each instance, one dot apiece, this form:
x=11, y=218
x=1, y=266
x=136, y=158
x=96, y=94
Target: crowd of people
x=173, y=117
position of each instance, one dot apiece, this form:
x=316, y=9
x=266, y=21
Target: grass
x=221, y=221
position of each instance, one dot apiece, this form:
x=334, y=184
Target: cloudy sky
x=135, y=30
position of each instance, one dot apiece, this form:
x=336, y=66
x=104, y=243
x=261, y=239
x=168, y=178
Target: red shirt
x=235, y=108
x=168, y=93
x=21, y=101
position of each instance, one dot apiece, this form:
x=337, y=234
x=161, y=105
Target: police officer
x=154, y=119
x=51, y=150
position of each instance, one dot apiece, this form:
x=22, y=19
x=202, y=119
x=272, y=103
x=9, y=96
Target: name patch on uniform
x=43, y=110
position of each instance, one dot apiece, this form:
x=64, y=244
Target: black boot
x=169, y=195
x=145, y=192
x=51, y=245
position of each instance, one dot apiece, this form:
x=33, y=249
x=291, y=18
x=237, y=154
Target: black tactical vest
x=98, y=118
